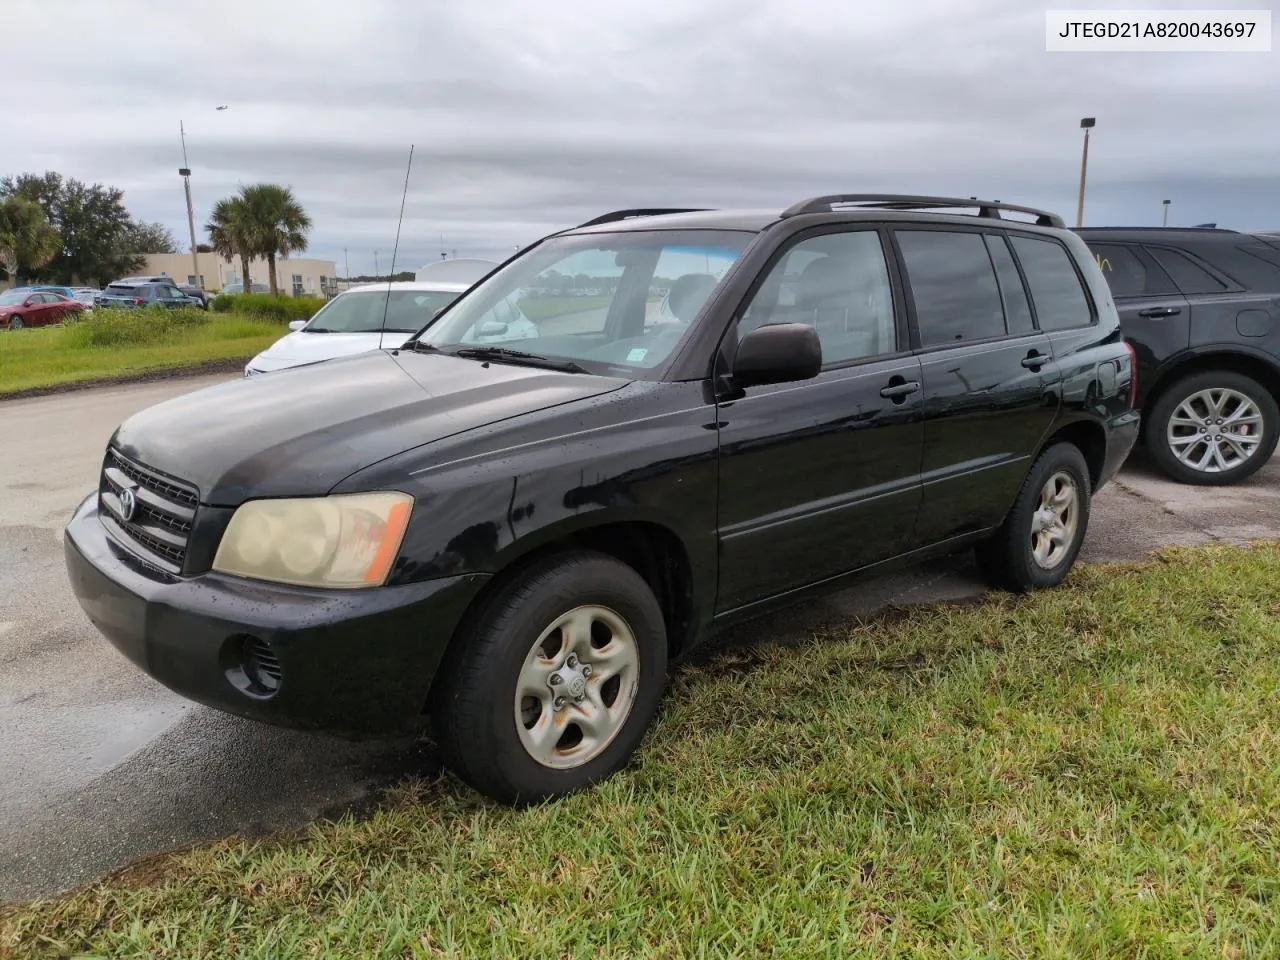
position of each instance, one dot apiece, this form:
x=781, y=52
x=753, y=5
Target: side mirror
x=296, y=325
x=777, y=353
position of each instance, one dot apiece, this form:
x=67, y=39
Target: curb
x=145, y=376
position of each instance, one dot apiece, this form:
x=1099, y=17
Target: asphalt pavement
x=100, y=765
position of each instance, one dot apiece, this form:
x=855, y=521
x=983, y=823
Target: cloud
x=530, y=117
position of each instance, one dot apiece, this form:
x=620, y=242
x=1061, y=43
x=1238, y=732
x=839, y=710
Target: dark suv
x=144, y=293
x=1202, y=310
x=516, y=535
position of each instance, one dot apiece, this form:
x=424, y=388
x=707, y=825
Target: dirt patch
x=147, y=376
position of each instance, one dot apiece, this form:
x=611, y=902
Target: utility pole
x=375, y=264
x=1165, y=204
x=1085, y=124
x=185, y=172
x=346, y=263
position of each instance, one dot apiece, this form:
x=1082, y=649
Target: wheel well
x=1090, y=439
x=1259, y=370
x=651, y=550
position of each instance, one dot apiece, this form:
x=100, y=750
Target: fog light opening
x=254, y=669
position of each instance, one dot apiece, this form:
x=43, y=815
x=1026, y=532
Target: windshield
x=360, y=311
x=616, y=300
x=11, y=297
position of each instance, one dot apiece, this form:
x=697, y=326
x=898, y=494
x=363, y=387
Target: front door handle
x=896, y=391
x=1160, y=312
x=1034, y=360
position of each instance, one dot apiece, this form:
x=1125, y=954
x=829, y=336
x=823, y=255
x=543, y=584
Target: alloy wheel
x=1215, y=430
x=1054, y=523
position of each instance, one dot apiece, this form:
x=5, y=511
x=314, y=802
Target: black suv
x=144, y=293
x=1202, y=310
x=514, y=527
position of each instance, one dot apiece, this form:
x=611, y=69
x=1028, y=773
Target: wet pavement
x=100, y=765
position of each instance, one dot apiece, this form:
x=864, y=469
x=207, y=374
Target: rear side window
x=1059, y=299
x=1189, y=277
x=1126, y=274
x=953, y=286
x=1017, y=310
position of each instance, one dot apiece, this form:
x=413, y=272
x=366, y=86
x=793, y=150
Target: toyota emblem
x=128, y=504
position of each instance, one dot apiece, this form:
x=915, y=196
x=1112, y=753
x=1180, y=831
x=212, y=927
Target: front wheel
x=552, y=687
x=15, y=323
x=1213, y=428
x=1037, y=545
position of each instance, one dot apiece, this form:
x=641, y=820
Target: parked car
x=367, y=317
x=67, y=292
x=519, y=538
x=86, y=296
x=144, y=293
x=26, y=307
x=1202, y=309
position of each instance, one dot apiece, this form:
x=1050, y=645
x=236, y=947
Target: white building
x=296, y=276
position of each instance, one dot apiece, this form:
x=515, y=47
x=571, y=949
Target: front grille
x=164, y=510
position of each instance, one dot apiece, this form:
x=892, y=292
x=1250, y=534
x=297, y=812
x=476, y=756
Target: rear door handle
x=1160, y=312
x=1034, y=361
x=897, y=390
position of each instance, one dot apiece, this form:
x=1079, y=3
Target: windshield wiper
x=506, y=355
x=421, y=346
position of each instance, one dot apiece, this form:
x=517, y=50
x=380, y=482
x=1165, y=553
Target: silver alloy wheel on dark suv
x=1213, y=428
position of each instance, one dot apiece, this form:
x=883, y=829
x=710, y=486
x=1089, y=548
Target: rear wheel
x=553, y=686
x=1213, y=428
x=1037, y=545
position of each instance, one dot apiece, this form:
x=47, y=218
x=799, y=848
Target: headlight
x=346, y=540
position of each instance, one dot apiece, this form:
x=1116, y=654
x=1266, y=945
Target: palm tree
x=277, y=224
x=229, y=235
x=26, y=238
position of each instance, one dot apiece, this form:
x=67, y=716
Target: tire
x=489, y=738
x=15, y=323
x=1010, y=559
x=1180, y=415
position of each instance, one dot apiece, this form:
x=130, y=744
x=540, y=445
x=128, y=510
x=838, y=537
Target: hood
x=300, y=431
x=303, y=347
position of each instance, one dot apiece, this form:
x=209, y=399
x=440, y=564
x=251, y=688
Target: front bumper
x=352, y=662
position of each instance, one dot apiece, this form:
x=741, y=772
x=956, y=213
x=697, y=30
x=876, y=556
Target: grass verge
x=1087, y=772
x=112, y=344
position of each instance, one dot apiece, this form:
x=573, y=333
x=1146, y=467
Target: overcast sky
x=531, y=116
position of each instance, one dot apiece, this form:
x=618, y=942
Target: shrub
x=267, y=307
x=113, y=326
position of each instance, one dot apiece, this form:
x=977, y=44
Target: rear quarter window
x=1056, y=292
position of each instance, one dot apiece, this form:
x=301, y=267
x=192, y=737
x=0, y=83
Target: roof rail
x=896, y=201
x=1198, y=228
x=640, y=212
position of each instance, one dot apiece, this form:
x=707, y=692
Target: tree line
x=55, y=229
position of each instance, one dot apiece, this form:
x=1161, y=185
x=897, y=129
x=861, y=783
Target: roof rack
x=1198, y=228
x=897, y=201
x=639, y=212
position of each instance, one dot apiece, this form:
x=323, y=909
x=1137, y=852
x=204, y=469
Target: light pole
x=1165, y=204
x=185, y=172
x=1085, y=124
x=346, y=262
x=375, y=264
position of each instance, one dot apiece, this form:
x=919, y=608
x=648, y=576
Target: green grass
x=114, y=343
x=1088, y=772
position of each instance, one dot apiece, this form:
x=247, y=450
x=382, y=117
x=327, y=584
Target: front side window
x=1059, y=299
x=614, y=301
x=1186, y=273
x=953, y=285
x=837, y=283
x=370, y=311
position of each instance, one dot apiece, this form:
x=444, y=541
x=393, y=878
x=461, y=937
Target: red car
x=35, y=308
